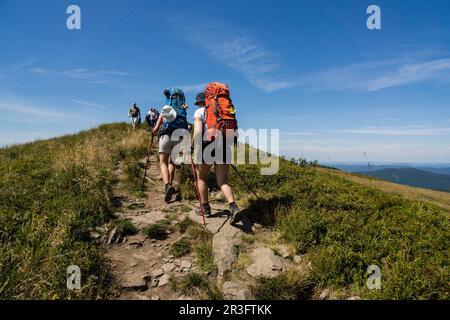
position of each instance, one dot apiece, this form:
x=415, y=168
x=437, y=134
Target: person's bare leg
x=167, y=174
x=172, y=169
x=202, y=173
x=222, y=182
x=164, y=166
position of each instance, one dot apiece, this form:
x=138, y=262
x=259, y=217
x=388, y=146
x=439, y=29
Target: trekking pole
x=149, y=153
x=197, y=192
x=245, y=182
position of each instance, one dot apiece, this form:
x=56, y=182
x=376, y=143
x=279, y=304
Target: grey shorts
x=166, y=145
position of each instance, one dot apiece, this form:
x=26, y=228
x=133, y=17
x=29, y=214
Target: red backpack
x=220, y=112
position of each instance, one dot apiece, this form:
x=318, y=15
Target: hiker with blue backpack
x=173, y=117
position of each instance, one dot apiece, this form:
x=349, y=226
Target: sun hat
x=168, y=113
x=200, y=98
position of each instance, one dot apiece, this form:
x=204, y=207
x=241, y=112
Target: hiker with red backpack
x=173, y=117
x=215, y=128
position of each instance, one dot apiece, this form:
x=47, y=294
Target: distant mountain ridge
x=362, y=167
x=413, y=177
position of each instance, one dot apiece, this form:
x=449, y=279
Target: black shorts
x=210, y=156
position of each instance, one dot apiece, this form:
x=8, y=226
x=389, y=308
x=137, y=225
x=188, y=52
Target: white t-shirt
x=200, y=113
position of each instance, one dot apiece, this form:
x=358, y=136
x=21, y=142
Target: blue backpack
x=176, y=99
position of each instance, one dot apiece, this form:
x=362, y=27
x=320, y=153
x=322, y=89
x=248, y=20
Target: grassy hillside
x=54, y=193
x=344, y=227
x=438, y=198
x=413, y=177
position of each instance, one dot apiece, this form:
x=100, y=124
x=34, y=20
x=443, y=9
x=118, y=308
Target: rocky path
x=144, y=268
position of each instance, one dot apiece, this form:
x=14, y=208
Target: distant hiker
x=152, y=117
x=135, y=114
x=173, y=117
x=214, y=119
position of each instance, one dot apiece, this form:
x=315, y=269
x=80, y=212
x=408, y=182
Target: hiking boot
x=236, y=215
x=170, y=191
x=206, y=209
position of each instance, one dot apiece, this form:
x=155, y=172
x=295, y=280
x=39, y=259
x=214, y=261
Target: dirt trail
x=143, y=267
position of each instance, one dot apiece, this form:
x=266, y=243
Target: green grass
x=158, y=230
x=181, y=247
x=344, y=227
x=198, y=285
x=125, y=227
x=292, y=285
x=52, y=195
x=205, y=257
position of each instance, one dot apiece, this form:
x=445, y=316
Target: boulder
x=168, y=267
x=134, y=283
x=164, y=280
x=226, y=248
x=265, y=264
x=157, y=273
x=236, y=291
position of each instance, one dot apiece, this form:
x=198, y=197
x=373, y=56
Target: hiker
x=135, y=114
x=151, y=117
x=215, y=98
x=173, y=117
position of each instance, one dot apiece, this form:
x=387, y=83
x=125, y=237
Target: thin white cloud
x=384, y=131
x=25, y=113
x=39, y=70
x=193, y=87
x=96, y=76
x=237, y=49
x=398, y=132
x=89, y=104
x=377, y=75
x=91, y=74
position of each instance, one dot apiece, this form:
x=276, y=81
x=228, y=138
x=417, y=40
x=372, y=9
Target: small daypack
x=220, y=112
x=176, y=99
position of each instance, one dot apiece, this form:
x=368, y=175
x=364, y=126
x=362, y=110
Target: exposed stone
x=157, y=273
x=325, y=294
x=95, y=235
x=155, y=298
x=164, y=280
x=283, y=251
x=185, y=264
x=236, y=291
x=265, y=263
x=226, y=248
x=168, y=267
x=134, y=283
x=354, y=298
x=153, y=283
x=297, y=259
x=111, y=236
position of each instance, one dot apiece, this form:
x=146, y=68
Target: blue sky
x=310, y=68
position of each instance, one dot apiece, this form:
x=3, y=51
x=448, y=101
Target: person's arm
x=158, y=125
